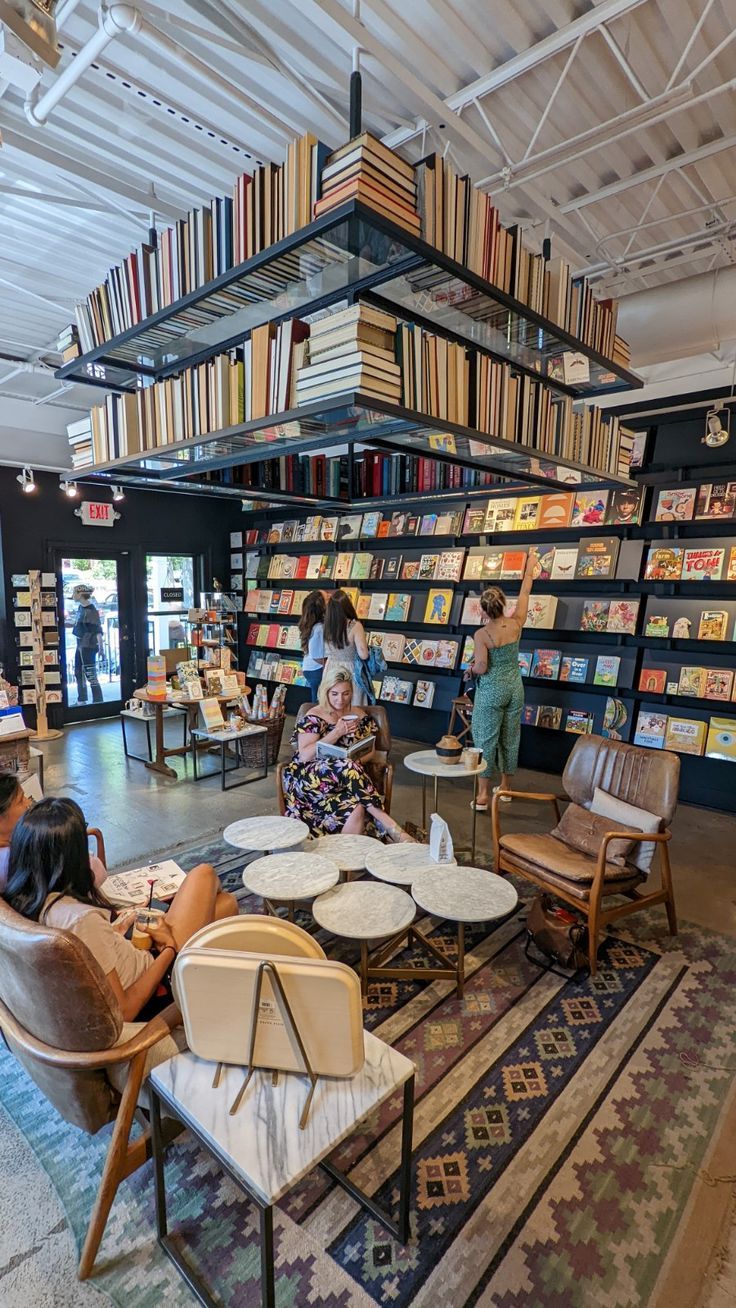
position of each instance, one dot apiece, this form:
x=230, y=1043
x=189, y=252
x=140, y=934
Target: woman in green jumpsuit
x=499, y=697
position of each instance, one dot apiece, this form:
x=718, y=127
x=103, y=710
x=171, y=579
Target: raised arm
x=522, y=604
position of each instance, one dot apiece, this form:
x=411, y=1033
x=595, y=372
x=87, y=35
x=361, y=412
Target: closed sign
x=97, y=514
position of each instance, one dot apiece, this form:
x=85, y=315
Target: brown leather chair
x=61, y=1020
x=646, y=778
x=380, y=771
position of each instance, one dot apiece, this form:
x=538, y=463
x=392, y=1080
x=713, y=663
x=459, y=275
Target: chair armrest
x=531, y=794
x=74, y=1061
x=642, y=837
x=95, y=834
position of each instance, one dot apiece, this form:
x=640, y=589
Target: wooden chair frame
x=123, y=1155
x=597, y=915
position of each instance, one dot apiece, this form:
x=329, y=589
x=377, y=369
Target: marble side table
x=351, y=853
x=427, y=764
x=265, y=835
x=460, y=895
x=262, y=1148
x=289, y=877
x=399, y=864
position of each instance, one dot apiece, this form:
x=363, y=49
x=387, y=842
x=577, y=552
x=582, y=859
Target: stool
x=462, y=709
x=136, y=716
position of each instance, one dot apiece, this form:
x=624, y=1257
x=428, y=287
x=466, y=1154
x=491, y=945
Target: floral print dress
x=324, y=792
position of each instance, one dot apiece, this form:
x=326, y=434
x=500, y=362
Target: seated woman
x=50, y=881
x=334, y=794
x=13, y=804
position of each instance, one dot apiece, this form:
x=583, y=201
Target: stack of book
x=80, y=440
x=68, y=343
x=435, y=374
x=366, y=170
x=352, y=350
x=277, y=201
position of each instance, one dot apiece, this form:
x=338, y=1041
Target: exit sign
x=95, y=513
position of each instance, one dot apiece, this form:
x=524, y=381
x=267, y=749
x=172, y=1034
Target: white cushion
x=636, y=819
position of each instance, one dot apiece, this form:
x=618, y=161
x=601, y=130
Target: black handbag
x=557, y=934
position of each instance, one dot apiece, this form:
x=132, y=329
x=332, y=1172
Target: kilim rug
x=570, y=1140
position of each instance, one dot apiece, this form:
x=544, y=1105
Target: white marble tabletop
x=266, y=833
x=428, y=764
x=364, y=910
x=399, y=864
x=227, y=733
x=262, y=1141
x=291, y=875
x=351, y=853
x=464, y=894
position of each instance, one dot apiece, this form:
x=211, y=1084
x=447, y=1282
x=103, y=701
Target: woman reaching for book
x=332, y=792
x=499, y=695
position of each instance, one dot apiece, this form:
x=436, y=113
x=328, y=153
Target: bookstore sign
x=97, y=513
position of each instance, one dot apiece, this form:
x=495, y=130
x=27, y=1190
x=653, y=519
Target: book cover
x=530, y=715
x=650, y=730
x=691, y=682
x=424, y=694
x=438, y=606
x=343, y=566
x=361, y=569
x=473, y=570
x=475, y=517
x=675, y=505
x=392, y=647
x=615, y=715
x=716, y=500
x=397, y=607
x=450, y=565
x=579, y=722
x=597, y=557
x=492, y=566
x=513, y=564
x=210, y=714
x=657, y=625
x=595, y=615
x=574, y=669
x=410, y=570
x=468, y=651
x=472, y=614
x=350, y=526
x=377, y=567
x=448, y=524
x=313, y=567
x=713, y=624
x=370, y=525
x=403, y=691
x=384, y=527
x=731, y=572
x=542, y=611
x=622, y=616
x=702, y=564
x=624, y=507
x=377, y=604
x=589, y=509
x=500, y=514
x=412, y=651
x=328, y=528
x=527, y=512
x=428, y=524
x=427, y=567
x=653, y=680
x=388, y=688
x=286, y=599
x=398, y=524
x=544, y=564
x=428, y=653
x=606, y=670
x=718, y=683
x=664, y=563
x=550, y=716
x=564, y=563
x=546, y=664
x=721, y=740
x=685, y=735
x=412, y=526
x=446, y=653
x=326, y=566
x=556, y=510
x=525, y=662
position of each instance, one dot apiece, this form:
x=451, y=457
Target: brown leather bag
x=559, y=935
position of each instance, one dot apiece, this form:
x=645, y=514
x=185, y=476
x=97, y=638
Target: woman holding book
x=345, y=641
x=499, y=696
x=51, y=881
x=312, y=638
x=335, y=794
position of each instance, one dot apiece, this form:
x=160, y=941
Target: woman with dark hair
x=345, y=640
x=499, y=696
x=312, y=638
x=50, y=881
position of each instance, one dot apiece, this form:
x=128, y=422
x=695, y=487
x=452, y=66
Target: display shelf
x=350, y=249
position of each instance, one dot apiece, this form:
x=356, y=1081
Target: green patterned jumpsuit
x=499, y=699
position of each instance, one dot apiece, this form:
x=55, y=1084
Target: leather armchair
x=378, y=767
x=645, y=778
x=61, y=1020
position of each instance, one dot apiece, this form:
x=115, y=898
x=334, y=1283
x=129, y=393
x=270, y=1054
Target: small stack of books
x=365, y=169
x=352, y=350
x=80, y=439
x=68, y=343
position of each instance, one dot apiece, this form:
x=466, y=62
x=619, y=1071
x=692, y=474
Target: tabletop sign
x=95, y=513
x=172, y=594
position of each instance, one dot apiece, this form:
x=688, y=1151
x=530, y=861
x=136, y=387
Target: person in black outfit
x=88, y=631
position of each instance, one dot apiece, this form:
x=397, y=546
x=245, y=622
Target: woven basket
x=251, y=747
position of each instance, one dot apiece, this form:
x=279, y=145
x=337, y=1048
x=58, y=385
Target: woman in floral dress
x=334, y=794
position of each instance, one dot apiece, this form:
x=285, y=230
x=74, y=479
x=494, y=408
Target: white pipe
x=65, y=11
x=695, y=315
x=38, y=107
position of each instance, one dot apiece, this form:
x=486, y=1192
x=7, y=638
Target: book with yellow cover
x=721, y=740
x=439, y=603
x=685, y=735
x=527, y=512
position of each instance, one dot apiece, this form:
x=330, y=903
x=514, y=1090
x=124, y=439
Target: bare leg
x=484, y=790
x=198, y=901
x=387, y=824
x=505, y=781
x=355, y=824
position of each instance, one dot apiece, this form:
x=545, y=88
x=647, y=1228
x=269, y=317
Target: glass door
x=95, y=655
x=169, y=597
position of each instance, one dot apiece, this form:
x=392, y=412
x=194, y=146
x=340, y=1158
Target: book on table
x=130, y=889
x=210, y=715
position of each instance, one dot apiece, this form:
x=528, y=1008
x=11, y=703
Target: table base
x=238, y=764
x=399, y=1228
x=373, y=964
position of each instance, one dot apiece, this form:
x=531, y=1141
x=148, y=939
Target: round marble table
x=364, y=911
x=427, y=764
x=350, y=853
x=399, y=864
x=289, y=877
x=265, y=834
x=460, y=895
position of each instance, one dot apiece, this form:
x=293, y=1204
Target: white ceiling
x=505, y=88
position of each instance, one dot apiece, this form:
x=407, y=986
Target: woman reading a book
x=331, y=791
x=50, y=881
x=345, y=640
x=312, y=638
x=499, y=696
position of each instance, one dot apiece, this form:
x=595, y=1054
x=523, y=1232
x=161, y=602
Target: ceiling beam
x=649, y=174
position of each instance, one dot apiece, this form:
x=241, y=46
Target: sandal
x=503, y=799
x=479, y=808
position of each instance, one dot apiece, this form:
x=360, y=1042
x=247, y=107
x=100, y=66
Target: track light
x=69, y=488
x=118, y=493
x=27, y=481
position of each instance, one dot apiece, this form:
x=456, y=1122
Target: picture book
x=343, y=565
x=397, y=608
x=691, y=682
x=467, y=655
x=650, y=730
x=427, y=567
x=403, y=691
x=398, y=524
x=513, y=564
x=556, y=510
x=573, y=669
x=597, y=557
x=606, y=670
x=622, y=616
x=446, y=653
x=525, y=662
x=624, y=506
x=550, y=715
x=664, y=563
x=412, y=651
x=685, y=735
x=423, y=694
x=428, y=653
x=718, y=683
x=472, y=614
x=713, y=624
x=589, y=509
x=527, y=512
x=721, y=740
x=657, y=625
x=615, y=715
x=286, y=599
x=313, y=567
x=492, y=565
x=377, y=606
x=328, y=528
x=544, y=564
x=500, y=514
x=350, y=526
x=392, y=647
x=312, y=528
x=716, y=500
x=361, y=569
x=392, y=566
x=702, y=564
x=438, y=606
x=450, y=565
x=377, y=567
x=675, y=505
x=542, y=611
x=564, y=563
x=473, y=569
x=530, y=715
x=428, y=524
x=595, y=615
x=475, y=517
x=546, y=663
x=369, y=528
x=653, y=680
x=327, y=566
x=410, y=570
x=731, y=570
x=579, y=722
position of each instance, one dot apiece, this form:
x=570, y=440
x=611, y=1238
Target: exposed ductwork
x=690, y=317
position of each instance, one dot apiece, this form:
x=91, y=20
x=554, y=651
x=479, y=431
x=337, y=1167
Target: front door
x=97, y=654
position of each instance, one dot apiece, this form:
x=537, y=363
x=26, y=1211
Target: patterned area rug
x=566, y=1137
